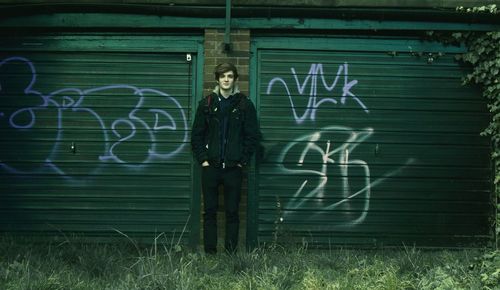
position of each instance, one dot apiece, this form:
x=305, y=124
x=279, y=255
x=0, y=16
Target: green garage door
x=94, y=135
x=369, y=142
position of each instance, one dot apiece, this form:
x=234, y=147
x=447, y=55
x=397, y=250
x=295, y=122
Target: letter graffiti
x=316, y=71
x=151, y=122
x=328, y=176
x=321, y=149
x=310, y=143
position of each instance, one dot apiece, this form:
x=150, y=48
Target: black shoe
x=210, y=251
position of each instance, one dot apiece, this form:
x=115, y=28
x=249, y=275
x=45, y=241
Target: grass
x=71, y=264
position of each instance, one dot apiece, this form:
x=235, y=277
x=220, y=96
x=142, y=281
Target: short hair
x=224, y=68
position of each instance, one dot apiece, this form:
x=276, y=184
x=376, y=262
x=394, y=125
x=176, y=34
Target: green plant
x=489, y=269
x=77, y=265
x=483, y=55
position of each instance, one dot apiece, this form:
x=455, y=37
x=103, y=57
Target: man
x=224, y=137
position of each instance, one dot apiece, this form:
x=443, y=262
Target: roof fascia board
x=141, y=21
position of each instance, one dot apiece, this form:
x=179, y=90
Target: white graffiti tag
x=327, y=153
x=315, y=74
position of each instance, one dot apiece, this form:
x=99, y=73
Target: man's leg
x=232, y=179
x=209, y=185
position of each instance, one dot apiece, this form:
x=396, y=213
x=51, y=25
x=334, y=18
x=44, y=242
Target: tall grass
x=71, y=264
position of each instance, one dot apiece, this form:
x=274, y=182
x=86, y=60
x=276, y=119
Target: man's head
x=224, y=68
x=225, y=75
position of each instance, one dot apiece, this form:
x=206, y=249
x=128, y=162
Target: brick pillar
x=215, y=54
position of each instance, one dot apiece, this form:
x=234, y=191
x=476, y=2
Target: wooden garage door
x=369, y=141
x=94, y=134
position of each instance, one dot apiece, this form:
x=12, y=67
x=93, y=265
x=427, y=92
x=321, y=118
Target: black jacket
x=242, y=131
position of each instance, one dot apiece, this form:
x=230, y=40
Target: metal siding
x=366, y=148
x=128, y=116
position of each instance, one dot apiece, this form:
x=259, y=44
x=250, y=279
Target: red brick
x=243, y=68
x=240, y=38
x=215, y=54
x=242, y=54
x=243, y=61
x=241, y=46
x=241, y=31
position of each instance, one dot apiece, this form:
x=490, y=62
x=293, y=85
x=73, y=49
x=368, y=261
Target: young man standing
x=224, y=137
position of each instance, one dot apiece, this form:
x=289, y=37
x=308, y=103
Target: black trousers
x=231, y=179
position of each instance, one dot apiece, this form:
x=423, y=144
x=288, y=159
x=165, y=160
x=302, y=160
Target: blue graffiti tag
x=74, y=100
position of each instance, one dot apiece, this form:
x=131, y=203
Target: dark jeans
x=231, y=179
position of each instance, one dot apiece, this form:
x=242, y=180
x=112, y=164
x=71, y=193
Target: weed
x=165, y=264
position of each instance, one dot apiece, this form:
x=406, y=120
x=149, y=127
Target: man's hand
x=205, y=164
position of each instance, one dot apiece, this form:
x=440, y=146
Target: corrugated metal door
x=94, y=135
x=369, y=142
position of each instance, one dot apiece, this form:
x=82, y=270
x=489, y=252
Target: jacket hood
x=236, y=90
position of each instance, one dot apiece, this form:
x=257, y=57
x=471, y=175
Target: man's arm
x=198, y=133
x=250, y=133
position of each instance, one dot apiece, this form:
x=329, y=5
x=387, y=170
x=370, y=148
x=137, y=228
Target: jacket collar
x=235, y=91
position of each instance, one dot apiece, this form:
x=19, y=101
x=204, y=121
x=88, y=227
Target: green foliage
x=440, y=278
x=492, y=8
x=76, y=265
x=484, y=57
x=489, y=269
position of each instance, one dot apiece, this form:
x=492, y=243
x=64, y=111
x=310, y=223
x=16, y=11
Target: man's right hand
x=205, y=164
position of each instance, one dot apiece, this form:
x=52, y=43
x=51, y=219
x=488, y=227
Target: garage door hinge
x=188, y=57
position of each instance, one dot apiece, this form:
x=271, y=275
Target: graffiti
x=144, y=119
x=315, y=74
x=329, y=152
x=329, y=178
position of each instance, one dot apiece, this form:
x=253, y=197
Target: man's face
x=226, y=80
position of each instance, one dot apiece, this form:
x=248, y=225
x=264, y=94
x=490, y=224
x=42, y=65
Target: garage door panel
x=94, y=134
x=370, y=143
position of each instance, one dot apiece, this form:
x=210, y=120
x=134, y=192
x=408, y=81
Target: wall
x=215, y=54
